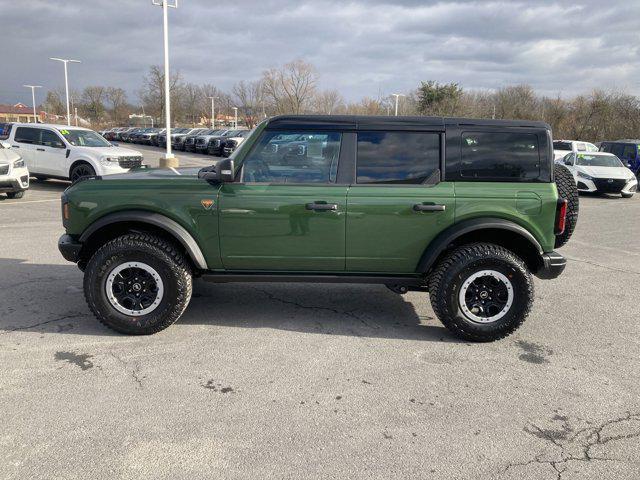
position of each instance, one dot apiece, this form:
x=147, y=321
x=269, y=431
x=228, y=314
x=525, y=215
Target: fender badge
x=207, y=203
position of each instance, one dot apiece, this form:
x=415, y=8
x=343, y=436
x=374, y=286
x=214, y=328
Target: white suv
x=57, y=151
x=14, y=176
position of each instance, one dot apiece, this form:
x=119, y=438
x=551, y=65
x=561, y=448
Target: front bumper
x=607, y=185
x=69, y=248
x=553, y=264
x=16, y=181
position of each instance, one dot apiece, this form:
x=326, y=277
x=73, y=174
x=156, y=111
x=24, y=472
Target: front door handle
x=40, y=149
x=317, y=206
x=421, y=207
x=15, y=146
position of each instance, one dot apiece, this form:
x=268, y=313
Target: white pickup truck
x=563, y=147
x=57, y=151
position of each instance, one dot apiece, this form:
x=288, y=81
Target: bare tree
x=117, y=98
x=249, y=100
x=290, y=88
x=92, y=103
x=328, y=102
x=192, y=102
x=152, y=93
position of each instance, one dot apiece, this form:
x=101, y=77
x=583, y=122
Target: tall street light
x=213, y=112
x=397, y=95
x=235, y=112
x=169, y=159
x=33, y=98
x=66, y=81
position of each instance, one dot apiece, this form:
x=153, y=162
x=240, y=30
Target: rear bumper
x=69, y=248
x=553, y=264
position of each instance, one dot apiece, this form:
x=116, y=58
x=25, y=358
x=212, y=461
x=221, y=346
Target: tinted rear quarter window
x=500, y=156
x=27, y=135
x=558, y=145
x=397, y=157
x=5, y=130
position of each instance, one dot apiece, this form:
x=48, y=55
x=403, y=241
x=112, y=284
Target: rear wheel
x=627, y=195
x=138, y=284
x=481, y=292
x=19, y=194
x=568, y=190
x=80, y=171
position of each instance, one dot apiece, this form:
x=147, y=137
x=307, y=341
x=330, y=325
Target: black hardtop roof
x=361, y=122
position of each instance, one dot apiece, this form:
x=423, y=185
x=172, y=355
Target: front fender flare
x=449, y=235
x=157, y=220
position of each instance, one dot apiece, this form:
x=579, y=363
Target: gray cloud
x=360, y=47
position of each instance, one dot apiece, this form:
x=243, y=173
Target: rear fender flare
x=449, y=235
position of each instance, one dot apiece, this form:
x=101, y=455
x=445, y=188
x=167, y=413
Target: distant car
x=231, y=143
x=202, y=140
x=178, y=141
x=147, y=136
x=562, y=147
x=58, y=151
x=189, y=143
x=216, y=144
x=626, y=150
x=601, y=172
x=14, y=175
x=129, y=135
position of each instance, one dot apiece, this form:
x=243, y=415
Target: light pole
x=235, y=113
x=66, y=82
x=169, y=159
x=397, y=95
x=33, y=98
x=213, y=112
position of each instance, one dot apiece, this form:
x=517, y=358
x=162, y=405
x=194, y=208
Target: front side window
x=84, y=138
x=397, y=157
x=500, y=156
x=27, y=135
x=50, y=139
x=299, y=157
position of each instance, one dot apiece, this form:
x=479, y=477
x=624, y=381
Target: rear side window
x=397, y=157
x=500, y=156
x=5, y=130
x=27, y=135
x=629, y=151
x=559, y=145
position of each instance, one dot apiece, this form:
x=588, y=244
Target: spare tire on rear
x=568, y=190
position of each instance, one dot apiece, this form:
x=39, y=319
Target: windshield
x=84, y=138
x=598, y=161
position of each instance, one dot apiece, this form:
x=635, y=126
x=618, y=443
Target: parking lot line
x=31, y=201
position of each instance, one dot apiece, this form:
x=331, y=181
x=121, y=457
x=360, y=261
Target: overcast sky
x=361, y=47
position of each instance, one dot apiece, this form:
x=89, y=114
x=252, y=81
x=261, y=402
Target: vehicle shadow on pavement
x=49, y=299
x=350, y=310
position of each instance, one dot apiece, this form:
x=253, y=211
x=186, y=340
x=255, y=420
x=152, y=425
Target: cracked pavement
x=319, y=381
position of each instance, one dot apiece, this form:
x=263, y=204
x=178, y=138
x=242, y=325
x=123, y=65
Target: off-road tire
x=171, y=265
x=568, y=190
x=12, y=195
x=450, y=274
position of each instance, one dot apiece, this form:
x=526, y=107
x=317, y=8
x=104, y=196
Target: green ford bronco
x=466, y=210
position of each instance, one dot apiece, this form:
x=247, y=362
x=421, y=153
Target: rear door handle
x=40, y=149
x=15, y=146
x=421, y=207
x=317, y=206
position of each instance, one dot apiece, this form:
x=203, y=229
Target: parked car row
x=612, y=167
x=218, y=142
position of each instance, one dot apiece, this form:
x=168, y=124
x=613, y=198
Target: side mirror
x=5, y=144
x=225, y=170
x=222, y=172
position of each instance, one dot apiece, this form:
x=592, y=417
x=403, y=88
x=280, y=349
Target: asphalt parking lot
x=187, y=159
x=302, y=381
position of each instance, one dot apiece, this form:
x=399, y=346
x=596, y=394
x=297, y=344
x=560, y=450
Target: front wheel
x=481, y=292
x=627, y=195
x=138, y=284
x=19, y=194
x=80, y=171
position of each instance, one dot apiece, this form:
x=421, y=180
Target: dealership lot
x=329, y=381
